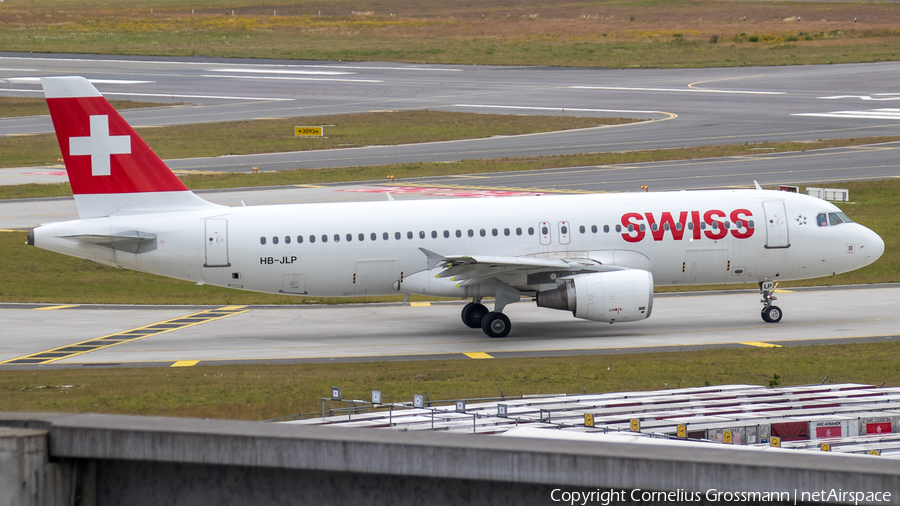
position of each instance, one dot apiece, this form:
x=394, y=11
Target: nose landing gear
x=770, y=313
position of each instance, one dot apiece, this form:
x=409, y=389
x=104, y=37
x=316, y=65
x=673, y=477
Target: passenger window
x=361, y=237
x=262, y=240
x=702, y=225
x=545, y=231
x=459, y=233
x=690, y=225
x=409, y=235
x=385, y=236
x=643, y=227
x=275, y=240
x=482, y=232
x=666, y=226
x=618, y=228
x=324, y=238
x=630, y=227
x=299, y=239
x=581, y=229
x=434, y=234
x=349, y=237
x=564, y=230
x=337, y=237
x=518, y=231
x=312, y=238
x=421, y=234
x=494, y=232
x=506, y=231
x=727, y=225
x=397, y=235
x=471, y=233
x=654, y=227
x=287, y=239
x=739, y=224
x=605, y=229
x=715, y=225
x=446, y=234
x=530, y=230
x=373, y=236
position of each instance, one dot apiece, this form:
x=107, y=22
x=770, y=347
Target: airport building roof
x=842, y=418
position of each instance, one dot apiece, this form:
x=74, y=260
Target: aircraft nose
x=874, y=247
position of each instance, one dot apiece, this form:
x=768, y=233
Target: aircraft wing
x=474, y=269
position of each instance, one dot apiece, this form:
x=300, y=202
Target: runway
x=99, y=336
x=687, y=107
x=810, y=167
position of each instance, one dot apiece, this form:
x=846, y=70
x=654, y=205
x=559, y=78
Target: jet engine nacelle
x=616, y=296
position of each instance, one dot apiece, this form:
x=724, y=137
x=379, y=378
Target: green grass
x=14, y=107
x=619, y=33
x=35, y=275
x=348, y=130
x=259, y=392
x=425, y=169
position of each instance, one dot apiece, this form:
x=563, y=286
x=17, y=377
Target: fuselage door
x=564, y=231
x=776, y=224
x=544, y=231
x=216, y=243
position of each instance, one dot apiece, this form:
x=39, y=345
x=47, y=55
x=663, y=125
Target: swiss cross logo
x=100, y=145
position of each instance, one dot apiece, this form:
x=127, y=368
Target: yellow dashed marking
x=419, y=304
x=185, y=363
x=8, y=230
x=478, y=354
x=126, y=336
x=763, y=345
x=48, y=308
x=309, y=186
x=781, y=290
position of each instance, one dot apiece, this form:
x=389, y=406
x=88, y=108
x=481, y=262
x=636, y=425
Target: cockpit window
x=822, y=220
x=844, y=217
x=832, y=219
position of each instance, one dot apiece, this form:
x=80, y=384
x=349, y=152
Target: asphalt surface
x=687, y=107
x=355, y=333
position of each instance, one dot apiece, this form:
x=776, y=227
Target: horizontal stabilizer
x=132, y=241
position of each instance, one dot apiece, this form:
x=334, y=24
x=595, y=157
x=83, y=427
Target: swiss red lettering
x=716, y=231
x=695, y=219
x=636, y=226
x=743, y=216
x=666, y=219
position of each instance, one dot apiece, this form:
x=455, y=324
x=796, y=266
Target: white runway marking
x=415, y=69
x=275, y=71
x=169, y=95
x=874, y=96
x=23, y=80
x=677, y=90
x=563, y=109
x=889, y=114
x=300, y=78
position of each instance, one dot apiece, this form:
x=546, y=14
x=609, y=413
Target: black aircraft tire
x=473, y=314
x=496, y=325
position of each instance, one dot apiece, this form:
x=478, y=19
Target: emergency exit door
x=216, y=243
x=776, y=224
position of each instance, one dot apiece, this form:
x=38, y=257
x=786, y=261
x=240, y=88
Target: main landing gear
x=770, y=313
x=493, y=323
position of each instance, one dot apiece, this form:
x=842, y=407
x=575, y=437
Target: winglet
x=758, y=187
x=433, y=258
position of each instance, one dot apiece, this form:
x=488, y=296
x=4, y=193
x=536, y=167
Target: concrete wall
x=146, y=460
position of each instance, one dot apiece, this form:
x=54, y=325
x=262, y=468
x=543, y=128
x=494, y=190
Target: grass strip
x=426, y=169
x=35, y=275
x=277, y=135
x=622, y=33
x=260, y=392
x=14, y=107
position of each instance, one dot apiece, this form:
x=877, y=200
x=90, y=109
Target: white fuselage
x=223, y=246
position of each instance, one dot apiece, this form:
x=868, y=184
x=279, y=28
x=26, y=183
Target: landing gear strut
x=770, y=313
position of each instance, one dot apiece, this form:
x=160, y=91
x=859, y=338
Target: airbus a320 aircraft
x=597, y=256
